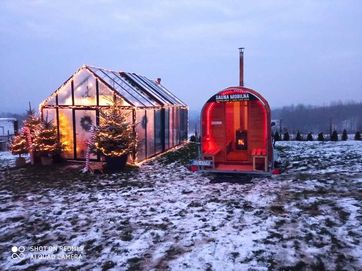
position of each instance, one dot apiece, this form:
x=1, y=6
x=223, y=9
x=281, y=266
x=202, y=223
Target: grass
x=34, y=178
x=183, y=154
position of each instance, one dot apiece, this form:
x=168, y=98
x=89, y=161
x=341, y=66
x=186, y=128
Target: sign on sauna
x=232, y=97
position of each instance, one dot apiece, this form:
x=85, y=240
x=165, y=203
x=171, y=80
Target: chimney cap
x=241, y=49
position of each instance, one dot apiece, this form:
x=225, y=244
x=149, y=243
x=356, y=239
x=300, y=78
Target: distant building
x=8, y=127
x=160, y=118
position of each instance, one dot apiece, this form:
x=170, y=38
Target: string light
x=114, y=136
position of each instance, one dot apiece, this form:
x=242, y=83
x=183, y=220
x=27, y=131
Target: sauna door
x=84, y=119
x=236, y=114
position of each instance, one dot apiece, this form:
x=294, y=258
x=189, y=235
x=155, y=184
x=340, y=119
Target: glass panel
x=184, y=124
x=158, y=131
x=50, y=115
x=177, y=126
x=150, y=133
x=174, y=127
x=130, y=94
x=147, y=88
x=171, y=127
x=66, y=132
x=177, y=100
x=84, y=119
x=105, y=94
x=167, y=128
x=84, y=88
x=130, y=89
x=65, y=94
x=141, y=123
x=50, y=100
x=160, y=90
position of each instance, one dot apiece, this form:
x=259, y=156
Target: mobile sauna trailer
x=236, y=131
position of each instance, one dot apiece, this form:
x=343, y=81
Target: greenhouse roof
x=136, y=89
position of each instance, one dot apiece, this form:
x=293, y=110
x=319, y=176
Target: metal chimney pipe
x=241, y=68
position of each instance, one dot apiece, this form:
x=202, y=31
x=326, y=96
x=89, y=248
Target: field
x=164, y=217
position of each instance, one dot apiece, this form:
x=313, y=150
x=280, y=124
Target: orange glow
x=241, y=142
x=66, y=134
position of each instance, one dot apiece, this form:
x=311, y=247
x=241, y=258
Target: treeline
x=334, y=136
x=19, y=117
x=306, y=118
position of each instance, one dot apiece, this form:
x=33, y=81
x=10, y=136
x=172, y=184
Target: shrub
x=320, y=136
x=357, y=136
x=286, y=136
x=310, y=137
x=276, y=136
x=344, y=135
x=298, y=137
x=334, y=136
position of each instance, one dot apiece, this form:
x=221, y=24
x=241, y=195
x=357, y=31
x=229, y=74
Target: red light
x=232, y=91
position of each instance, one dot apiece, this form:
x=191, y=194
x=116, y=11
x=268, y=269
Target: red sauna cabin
x=236, y=131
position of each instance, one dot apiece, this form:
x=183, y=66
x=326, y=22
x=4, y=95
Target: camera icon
x=17, y=252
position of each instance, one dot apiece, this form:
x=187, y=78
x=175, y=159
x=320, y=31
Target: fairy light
x=19, y=145
x=114, y=136
x=46, y=138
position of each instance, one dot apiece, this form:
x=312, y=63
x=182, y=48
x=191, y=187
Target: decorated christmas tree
x=46, y=141
x=19, y=145
x=32, y=122
x=114, y=136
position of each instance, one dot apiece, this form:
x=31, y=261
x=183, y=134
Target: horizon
x=193, y=110
x=296, y=53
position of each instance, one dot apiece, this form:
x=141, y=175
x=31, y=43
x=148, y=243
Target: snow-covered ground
x=166, y=217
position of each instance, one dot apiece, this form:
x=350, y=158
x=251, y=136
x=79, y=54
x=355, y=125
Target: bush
x=320, y=136
x=286, y=136
x=344, y=135
x=298, y=137
x=276, y=136
x=357, y=136
x=309, y=137
x=334, y=136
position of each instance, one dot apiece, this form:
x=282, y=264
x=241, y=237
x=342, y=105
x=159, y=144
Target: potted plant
x=19, y=146
x=46, y=142
x=114, y=137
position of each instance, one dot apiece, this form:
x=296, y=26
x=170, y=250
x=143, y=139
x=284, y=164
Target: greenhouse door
x=84, y=119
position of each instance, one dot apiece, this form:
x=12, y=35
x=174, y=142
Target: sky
x=296, y=52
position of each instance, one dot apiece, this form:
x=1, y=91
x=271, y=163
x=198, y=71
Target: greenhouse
x=160, y=118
